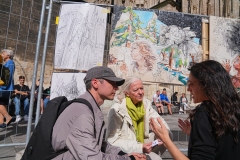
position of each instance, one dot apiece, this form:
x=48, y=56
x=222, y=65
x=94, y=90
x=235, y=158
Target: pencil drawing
x=70, y=85
x=80, y=37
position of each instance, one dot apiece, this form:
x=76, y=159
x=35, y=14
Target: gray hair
x=124, y=88
x=8, y=52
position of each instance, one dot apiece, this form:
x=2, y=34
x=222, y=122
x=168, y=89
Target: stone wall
x=19, y=31
x=20, y=20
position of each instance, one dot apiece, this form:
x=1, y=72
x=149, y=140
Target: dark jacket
x=204, y=145
x=174, y=100
x=74, y=129
x=46, y=92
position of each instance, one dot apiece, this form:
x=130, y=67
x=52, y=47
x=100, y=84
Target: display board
x=70, y=85
x=80, y=37
x=154, y=45
x=225, y=45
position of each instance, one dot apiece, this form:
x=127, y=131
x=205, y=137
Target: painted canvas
x=155, y=45
x=70, y=85
x=225, y=45
x=80, y=37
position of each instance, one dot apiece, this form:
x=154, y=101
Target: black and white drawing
x=224, y=37
x=225, y=45
x=70, y=85
x=80, y=37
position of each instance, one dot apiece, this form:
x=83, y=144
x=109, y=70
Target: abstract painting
x=154, y=45
x=225, y=45
x=80, y=37
x=70, y=85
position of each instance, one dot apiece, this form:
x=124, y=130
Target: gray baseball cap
x=101, y=72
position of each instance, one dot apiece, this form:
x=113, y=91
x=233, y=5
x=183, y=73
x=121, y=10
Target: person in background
x=21, y=93
x=6, y=90
x=174, y=99
x=214, y=126
x=46, y=95
x=165, y=101
x=128, y=121
x=183, y=103
x=36, y=96
x=4, y=113
x=156, y=101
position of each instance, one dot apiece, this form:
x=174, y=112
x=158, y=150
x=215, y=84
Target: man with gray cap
x=74, y=128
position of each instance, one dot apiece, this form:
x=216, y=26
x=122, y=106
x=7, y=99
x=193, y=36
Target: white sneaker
x=18, y=118
x=25, y=117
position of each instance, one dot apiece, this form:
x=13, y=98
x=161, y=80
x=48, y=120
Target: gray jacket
x=74, y=130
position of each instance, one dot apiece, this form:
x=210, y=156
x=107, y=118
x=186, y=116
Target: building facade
x=221, y=8
x=20, y=20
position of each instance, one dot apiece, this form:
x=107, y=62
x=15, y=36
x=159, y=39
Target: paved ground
x=16, y=133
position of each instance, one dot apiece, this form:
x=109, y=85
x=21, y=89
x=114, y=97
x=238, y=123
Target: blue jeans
x=45, y=101
x=18, y=104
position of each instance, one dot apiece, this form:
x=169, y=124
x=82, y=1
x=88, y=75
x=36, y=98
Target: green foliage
x=131, y=29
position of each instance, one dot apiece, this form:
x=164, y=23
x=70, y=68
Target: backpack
x=40, y=144
x=4, y=74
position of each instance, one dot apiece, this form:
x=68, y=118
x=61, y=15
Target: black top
x=37, y=90
x=174, y=100
x=23, y=88
x=204, y=145
x=46, y=92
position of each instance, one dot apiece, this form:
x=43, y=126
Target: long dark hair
x=223, y=105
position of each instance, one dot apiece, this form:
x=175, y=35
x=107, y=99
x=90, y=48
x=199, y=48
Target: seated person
x=174, y=99
x=36, y=96
x=46, y=95
x=165, y=101
x=157, y=103
x=21, y=93
x=184, y=102
x=128, y=121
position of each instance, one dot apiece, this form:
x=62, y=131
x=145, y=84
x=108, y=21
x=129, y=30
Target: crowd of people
x=161, y=100
x=18, y=94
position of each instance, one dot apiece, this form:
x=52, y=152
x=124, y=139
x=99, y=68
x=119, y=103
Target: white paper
x=70, y=85
x=154, y=143
x=80, y=37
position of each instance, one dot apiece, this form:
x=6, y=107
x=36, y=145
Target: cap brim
x=119, y=81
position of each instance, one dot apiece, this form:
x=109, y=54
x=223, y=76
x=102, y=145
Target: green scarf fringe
x=137, y=113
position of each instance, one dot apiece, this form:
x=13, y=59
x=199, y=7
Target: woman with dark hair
x=214, y=124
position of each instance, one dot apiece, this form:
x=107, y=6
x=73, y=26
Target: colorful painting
x=156, y=49
x=80, y=37
x=225, y=45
